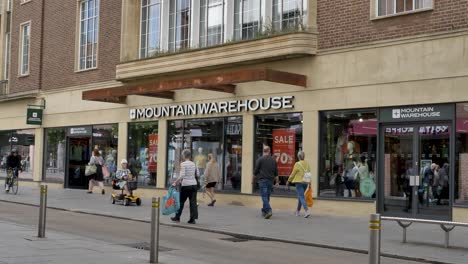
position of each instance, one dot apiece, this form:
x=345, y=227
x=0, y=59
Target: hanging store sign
x=80, y=131
x=34, y=117
x=228, y=107
x=284, y=148
x=417, y=113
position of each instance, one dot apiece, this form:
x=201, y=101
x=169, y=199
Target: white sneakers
x=306, y=215
x=296, y=213
x=7, y=189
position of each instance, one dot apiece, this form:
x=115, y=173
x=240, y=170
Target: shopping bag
x=90, y=170
x=308, y=197
x=105, y=172
x=171, y=201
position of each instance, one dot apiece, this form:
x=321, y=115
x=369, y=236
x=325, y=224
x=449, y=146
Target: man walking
x=266, y=173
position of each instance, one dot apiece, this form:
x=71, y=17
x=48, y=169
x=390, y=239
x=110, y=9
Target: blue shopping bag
x=171, y=201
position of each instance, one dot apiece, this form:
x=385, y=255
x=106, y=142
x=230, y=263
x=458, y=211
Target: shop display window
x=143, y=152
x=347, y=166
x=461, y=147
x=54, y=156
x=283, y=134
x=105, y=138
x=221, y=137
x=23, y=142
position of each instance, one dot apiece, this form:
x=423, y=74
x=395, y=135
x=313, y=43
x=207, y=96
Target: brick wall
x=30, y=11
x=59, y=44
x=347, y=22
x=59, y=36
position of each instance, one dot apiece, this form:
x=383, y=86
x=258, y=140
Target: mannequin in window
x=340, y=142
x=350, y=170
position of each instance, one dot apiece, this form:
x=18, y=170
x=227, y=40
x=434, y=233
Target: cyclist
x=13, y=162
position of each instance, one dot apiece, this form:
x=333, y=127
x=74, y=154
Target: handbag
x=308, y=197
x=307, y=175
x=90, y=170
x=105, y=172
x=171, y=201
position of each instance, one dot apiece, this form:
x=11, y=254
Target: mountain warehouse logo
x=415, y=112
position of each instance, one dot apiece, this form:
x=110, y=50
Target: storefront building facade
x=383, y=105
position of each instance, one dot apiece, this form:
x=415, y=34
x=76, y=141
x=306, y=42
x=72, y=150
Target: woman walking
x=98, y=177
x=187, y=178
x=211, y=178
x=297, y=177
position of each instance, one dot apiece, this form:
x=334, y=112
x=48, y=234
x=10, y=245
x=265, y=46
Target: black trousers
x=188, y=192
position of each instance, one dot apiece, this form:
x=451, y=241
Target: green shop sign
x=34, y=117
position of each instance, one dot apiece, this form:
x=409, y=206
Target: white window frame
x=147, y=51
x=173, y=46
x=429, y=6
x=206, y=10
x=95, y=45
x=22, y=70
x=280, y=21
x=261, y=21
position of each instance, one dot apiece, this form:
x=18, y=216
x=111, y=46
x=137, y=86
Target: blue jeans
x=300, y=189
x=265, y=190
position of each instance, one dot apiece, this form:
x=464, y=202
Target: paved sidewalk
x=424, y=241
x=18, y=245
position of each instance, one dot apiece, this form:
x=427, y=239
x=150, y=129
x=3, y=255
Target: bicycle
x=12, y=181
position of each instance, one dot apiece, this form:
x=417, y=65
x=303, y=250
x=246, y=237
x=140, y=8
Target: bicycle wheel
x=14, y=185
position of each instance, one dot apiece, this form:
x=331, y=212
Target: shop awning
x=222, y=82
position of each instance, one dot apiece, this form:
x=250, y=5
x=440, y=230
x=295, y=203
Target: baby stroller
x=122, y=198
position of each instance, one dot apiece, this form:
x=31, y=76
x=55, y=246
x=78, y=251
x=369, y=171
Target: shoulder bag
x=307, y=174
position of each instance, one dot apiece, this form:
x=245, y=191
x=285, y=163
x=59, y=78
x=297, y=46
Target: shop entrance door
x=79, y=154
x=415, y=171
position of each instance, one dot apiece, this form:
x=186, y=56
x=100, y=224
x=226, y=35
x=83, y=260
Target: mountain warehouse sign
x=228, y=107
x=417, y=113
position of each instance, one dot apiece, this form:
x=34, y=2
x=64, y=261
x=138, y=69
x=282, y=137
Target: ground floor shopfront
x=383, y=130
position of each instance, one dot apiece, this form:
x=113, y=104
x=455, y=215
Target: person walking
x=297, y=177
x=188, y=179
x=266, y=173
x=211, y=178
x=98, y=177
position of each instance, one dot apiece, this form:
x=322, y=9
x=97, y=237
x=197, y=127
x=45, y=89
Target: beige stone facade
x=414, y=69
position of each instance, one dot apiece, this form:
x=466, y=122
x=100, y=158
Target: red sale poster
x=284, y=149
x=152, y=153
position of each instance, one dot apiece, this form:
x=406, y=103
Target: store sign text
x=252, y=105
x=415, y=112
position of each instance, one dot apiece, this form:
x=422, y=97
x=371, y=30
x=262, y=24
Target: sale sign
x=284, y=149
x=152, y=153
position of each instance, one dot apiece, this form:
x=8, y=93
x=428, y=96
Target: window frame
x=21, y=57
x=140, y=50
x=174, y=45
x=241, y=14
x=376, y=14
x=95, y=45
x=206, y=10
x=281, y=20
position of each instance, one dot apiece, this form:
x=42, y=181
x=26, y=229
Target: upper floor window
x=287, y=14
x=247, y=19
x=150, y=27
x=89, y=14
x=24, y=50
x=179, y=25
x=211, y=22
x=392, y=7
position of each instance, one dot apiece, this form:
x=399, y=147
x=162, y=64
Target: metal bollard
x=42, y=212
x=154, y=253
x=374, y=245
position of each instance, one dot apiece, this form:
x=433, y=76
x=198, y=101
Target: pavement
x=20, y=245
x=425, y=242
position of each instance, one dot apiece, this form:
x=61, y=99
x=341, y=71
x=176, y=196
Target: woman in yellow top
x=296, y=177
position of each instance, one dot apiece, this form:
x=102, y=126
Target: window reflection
x=211, y=22
x=150, y=27
x=349, y=141
x=179, y=25
x=247, y=19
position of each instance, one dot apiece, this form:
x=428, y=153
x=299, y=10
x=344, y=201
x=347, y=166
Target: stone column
x=38, y=155
x=122, y=143
x=162, y=154
x=310, y=143
x=248, y=137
